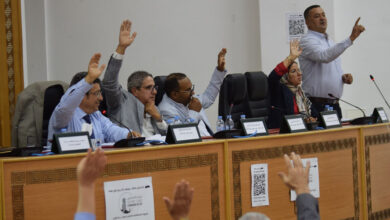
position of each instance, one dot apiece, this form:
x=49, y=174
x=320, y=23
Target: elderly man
x=179, y=99
x=134, y=108
x=78, y=108
x=320, y=61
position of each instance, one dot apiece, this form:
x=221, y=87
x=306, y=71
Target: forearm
x=307, y=207
x=86, y=202
x=110, y=83
x=210, y=94
x=313, y=51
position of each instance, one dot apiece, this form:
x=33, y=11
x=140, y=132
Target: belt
x=324, y=100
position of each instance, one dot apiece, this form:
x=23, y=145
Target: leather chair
x=258, y=95
x=160, y=82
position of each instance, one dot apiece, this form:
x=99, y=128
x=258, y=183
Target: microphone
x=357, y=121
x=373, y=80
x=331, y=95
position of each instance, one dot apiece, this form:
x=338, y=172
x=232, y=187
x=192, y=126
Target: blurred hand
x=91, y=167
x=298, y=177
x=180, y=206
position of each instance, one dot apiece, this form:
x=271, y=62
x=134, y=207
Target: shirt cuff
x=84, y=216
x=162, y=125
x=280, y=69
x=117, y=56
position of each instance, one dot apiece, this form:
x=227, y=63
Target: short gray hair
x=136, y=79
x=254, y=216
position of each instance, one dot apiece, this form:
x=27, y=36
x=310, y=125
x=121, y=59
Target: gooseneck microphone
x=331, y=95
x=373, y=80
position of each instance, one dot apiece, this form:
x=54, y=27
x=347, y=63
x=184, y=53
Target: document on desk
x=314, y=179
x=259, y=173
x=129, y=199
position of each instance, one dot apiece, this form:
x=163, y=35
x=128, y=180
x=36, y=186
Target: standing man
x=134, y=108
x=320, y=61
x=179, y=99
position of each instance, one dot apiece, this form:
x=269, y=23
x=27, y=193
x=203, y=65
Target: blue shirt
x=84, y=216
x=67, y=114
x=321, y=65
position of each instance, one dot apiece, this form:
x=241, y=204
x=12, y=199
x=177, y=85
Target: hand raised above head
x=125, y=38
x=356, y=30
x=221, y=60
x=295, y=49
x=91, y=167
x=94, y=71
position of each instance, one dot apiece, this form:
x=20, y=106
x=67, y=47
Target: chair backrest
x=51, y=99
x=233, y=92
x=258, y=96
x=160, y=82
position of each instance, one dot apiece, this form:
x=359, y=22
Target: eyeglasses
x=188, y=90
x=97, y=93
x=151, y=87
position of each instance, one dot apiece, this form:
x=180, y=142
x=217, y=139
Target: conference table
x=353, y=166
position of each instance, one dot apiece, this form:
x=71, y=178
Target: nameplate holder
x=254, y=125
x=329, y=119
x=183, y=133
x=72, y=142
x=292, y=124
x=379, y=115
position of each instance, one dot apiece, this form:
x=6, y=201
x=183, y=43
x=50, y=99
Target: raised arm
x=179, y=206
x=110, y=82
x=281, y=68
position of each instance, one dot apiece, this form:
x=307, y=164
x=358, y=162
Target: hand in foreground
x=221, y=60
x=125, y=39
x=356, y=30
x=298, y=176
x=94, y=71
x=180, y=206
x=195, y=104
x=347, y=78
x=91, y=167
x=295, y=49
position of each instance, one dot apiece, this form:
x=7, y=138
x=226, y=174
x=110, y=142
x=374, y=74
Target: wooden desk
x=338, y=161
x=46, y=187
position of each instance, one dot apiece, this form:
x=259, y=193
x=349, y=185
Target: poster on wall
x=295, y=25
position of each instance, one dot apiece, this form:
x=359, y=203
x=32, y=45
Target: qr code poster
x=259, y=173
x=296, y=26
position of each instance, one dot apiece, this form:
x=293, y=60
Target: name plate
x=379, y=115
x=183, y=133
x=73, y=142
x=254, y=125
x=330, y=119
x=293, y=124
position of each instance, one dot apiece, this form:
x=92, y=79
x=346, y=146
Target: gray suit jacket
x=307, y=207
x=122, y=105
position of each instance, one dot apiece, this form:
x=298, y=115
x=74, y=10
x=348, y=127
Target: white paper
x=383, y=115
x=129, y=199
x=156, y=137
x=186, y=133
x=202, y=129
x=254, y=126
x=314, y=179
x=74, y=142
x=295, y=25
x=296, y=124
x=259, y=173
x=87, y=127
x=331, y=119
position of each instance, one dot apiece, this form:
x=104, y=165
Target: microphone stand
x=373, y=80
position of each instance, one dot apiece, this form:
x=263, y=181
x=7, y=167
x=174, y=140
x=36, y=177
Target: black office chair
x=160, y=82
x=258, y=96
x=232, y=97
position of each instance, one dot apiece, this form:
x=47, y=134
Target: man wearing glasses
x=134, y=108
x=179, y=99
x=78, y=109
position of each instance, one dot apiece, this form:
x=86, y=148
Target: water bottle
x=326, y=108
x=169, y=121
x=177, y=120
x=229, y=123
x=220, y=124
x=63, y=130
x=243, y=116
x=330, y=108
x=190, y=120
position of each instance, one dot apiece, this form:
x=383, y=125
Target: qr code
x=297, y=27
x=259, y=184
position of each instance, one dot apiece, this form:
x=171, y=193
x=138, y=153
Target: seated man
x=134, y=108
x=179, y=99
x=78, y=108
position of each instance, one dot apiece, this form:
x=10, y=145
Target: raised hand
x=356, y=30
x=221, y=60
x=295, y=49
x=298, y=176
x=179, y=207
x=94, y=71
x=125, y=39
x=91, y=167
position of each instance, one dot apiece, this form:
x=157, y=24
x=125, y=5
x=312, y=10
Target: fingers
x=287, y=161
x=283, y=176
x=357, y=21
x=95, y=59
x=307, y=168
x=167, y=202
x=102, y=67
x=222, y=52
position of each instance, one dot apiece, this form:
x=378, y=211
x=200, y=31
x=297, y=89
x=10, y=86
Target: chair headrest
x=236, y=87
x=257, y=85
x=160, y=82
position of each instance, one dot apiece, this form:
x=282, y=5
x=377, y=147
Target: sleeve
x=163, y=126
x=307, y=207
x=312, y=50
x=277, y=73
x=195, y=115
x=110, y=83
x=84, y=216
x=64, y=111
x=112, y=132
x=210, y=94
